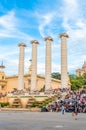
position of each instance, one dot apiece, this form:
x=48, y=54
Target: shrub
x=3, y=104
x=34, y=104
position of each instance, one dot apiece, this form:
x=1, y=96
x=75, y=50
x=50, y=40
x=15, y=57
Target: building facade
x=81, y=71
x=10, y=83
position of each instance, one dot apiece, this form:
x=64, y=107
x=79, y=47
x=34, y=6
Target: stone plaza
x=41, y=121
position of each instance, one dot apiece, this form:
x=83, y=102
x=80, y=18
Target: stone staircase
x=16, y=103
x=30, y=101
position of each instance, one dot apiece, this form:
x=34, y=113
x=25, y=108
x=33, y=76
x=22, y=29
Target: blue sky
x=26, y=20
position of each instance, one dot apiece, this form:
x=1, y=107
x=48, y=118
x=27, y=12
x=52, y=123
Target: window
x=2, y=77
x=3, y=87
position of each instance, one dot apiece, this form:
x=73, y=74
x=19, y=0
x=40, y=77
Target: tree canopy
x=56, y=75
x=77, y=82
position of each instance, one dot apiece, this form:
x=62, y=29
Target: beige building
x=80, y=72
x=9, y=83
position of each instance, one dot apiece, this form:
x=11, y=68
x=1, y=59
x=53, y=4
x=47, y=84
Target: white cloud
x=41, y=68
x=44, y=20
x=9, y=27
x=56, y=67
x=69, y=9
x=8, y=20
x=9, y=53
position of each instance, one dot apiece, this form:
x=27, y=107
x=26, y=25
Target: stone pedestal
x=64, y=71
x=48, y=63
x=34, y=65
x=21, y=67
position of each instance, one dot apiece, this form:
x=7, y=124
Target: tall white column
x=64, y=69
x=21, y=67
x=48, y=63
x=34, y=65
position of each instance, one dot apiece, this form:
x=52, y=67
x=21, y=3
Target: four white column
x=64, y=71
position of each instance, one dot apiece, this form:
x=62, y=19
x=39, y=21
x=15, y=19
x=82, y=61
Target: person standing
x=75, y=112
x=63, y=109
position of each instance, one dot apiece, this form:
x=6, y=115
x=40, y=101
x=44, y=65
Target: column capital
x=34, y=41
x=22, y=44
x=48, y=38
x=63, y=35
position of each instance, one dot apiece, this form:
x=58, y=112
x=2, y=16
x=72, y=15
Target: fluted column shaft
x=64, y=69
x=48, y=63
x=34, y=65
x=21, y=67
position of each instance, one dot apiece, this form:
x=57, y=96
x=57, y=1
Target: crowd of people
x=2, y=95
x=67, y=100
x=72, y=102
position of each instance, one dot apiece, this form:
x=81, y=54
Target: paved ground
x=41, y=121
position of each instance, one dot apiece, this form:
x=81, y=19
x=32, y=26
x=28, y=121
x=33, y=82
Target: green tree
x=56, y=75
x=77, y=82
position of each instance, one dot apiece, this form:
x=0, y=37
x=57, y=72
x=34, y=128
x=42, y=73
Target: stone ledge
x=22, y=109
